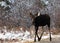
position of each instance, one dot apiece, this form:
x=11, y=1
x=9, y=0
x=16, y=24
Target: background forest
x=15, y=14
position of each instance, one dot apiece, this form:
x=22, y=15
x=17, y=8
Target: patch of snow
x=22, y=36
x=8, y=35
x=3, y=3
x=27, y=33
x=45, y=37
x=45, y=2
x=2, y=36
x=11, y=35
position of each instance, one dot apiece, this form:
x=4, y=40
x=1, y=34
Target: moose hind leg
x=49, y=32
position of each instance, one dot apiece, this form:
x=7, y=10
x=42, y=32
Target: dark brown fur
x=42, y=20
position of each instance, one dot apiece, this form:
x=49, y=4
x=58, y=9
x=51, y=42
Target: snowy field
x=25, y=37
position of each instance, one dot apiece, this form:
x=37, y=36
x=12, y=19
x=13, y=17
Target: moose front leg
x=36, y=34
x=41, y=33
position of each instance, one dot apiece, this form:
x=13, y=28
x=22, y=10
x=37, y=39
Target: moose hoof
x=34, y=40
x=38, y=39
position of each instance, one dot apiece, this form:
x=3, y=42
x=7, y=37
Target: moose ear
x=31, y=15
x=36, y=14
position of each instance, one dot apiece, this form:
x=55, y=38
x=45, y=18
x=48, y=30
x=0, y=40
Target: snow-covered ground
x=20, y=35
x=14, y=35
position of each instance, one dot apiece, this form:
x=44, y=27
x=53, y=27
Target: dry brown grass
x=55, y=31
